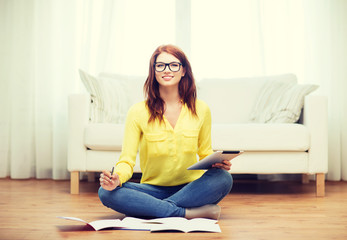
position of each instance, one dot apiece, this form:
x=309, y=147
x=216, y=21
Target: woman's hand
x=226, y=165
x=109, y=182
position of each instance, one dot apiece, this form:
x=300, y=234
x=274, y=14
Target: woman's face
x=168, y=78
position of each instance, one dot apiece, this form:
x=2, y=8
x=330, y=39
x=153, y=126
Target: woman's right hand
x=109, y=182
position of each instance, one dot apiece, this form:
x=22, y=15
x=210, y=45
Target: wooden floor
x=253, y=210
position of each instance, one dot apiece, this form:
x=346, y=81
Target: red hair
x=186, y=86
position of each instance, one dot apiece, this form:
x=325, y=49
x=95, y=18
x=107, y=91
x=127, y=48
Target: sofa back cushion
x=233, y=100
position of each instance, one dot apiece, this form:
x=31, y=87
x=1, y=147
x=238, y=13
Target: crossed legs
x=143, y=200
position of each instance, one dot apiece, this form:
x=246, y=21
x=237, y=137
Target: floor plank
x=253, y=210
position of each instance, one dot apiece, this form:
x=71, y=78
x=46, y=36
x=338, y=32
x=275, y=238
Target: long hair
x=186, y=86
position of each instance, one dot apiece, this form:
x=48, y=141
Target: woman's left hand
x=226, y=165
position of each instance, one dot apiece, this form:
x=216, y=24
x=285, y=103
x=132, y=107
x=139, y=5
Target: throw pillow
x=280, y=102
x=109, y=97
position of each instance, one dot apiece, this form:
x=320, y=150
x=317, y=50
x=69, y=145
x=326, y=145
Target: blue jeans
x=144, y=200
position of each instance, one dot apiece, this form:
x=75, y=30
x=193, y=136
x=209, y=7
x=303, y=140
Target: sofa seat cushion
x=101, y=160
x=260, y=137
x=247, y=137
x=104, y=136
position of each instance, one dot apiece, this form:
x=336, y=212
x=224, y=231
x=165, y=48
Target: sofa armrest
x=78, y=114
x=315, y=117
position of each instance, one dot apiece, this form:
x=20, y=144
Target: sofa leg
x=74, y=182
x=305, y=178
x=320, y=184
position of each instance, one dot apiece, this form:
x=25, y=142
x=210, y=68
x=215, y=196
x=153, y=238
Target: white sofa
x=269, y=148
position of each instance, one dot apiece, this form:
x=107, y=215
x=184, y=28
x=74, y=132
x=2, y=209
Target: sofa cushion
x=232, y=100
x=265, y=162
x=101, y=160
x=104, y=136
x=260, y=137
x=247, y=137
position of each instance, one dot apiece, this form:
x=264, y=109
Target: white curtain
x=44, y=42
x=38, y=66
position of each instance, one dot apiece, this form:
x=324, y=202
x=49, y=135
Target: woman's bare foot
x=211, y=211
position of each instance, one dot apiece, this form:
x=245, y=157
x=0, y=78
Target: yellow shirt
x=165, y=152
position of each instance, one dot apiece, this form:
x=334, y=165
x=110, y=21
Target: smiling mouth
x=167, y=78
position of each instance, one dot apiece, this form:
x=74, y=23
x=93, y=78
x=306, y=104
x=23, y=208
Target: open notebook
x=154, y=225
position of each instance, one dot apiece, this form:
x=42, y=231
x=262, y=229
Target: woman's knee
x=224, y=178
x=104, y=196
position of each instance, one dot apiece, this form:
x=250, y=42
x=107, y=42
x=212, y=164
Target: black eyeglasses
x=173, y=66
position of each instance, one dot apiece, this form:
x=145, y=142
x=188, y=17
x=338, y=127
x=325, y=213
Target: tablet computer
x=216, y=157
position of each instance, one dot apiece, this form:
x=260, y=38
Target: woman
x=169, y=129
